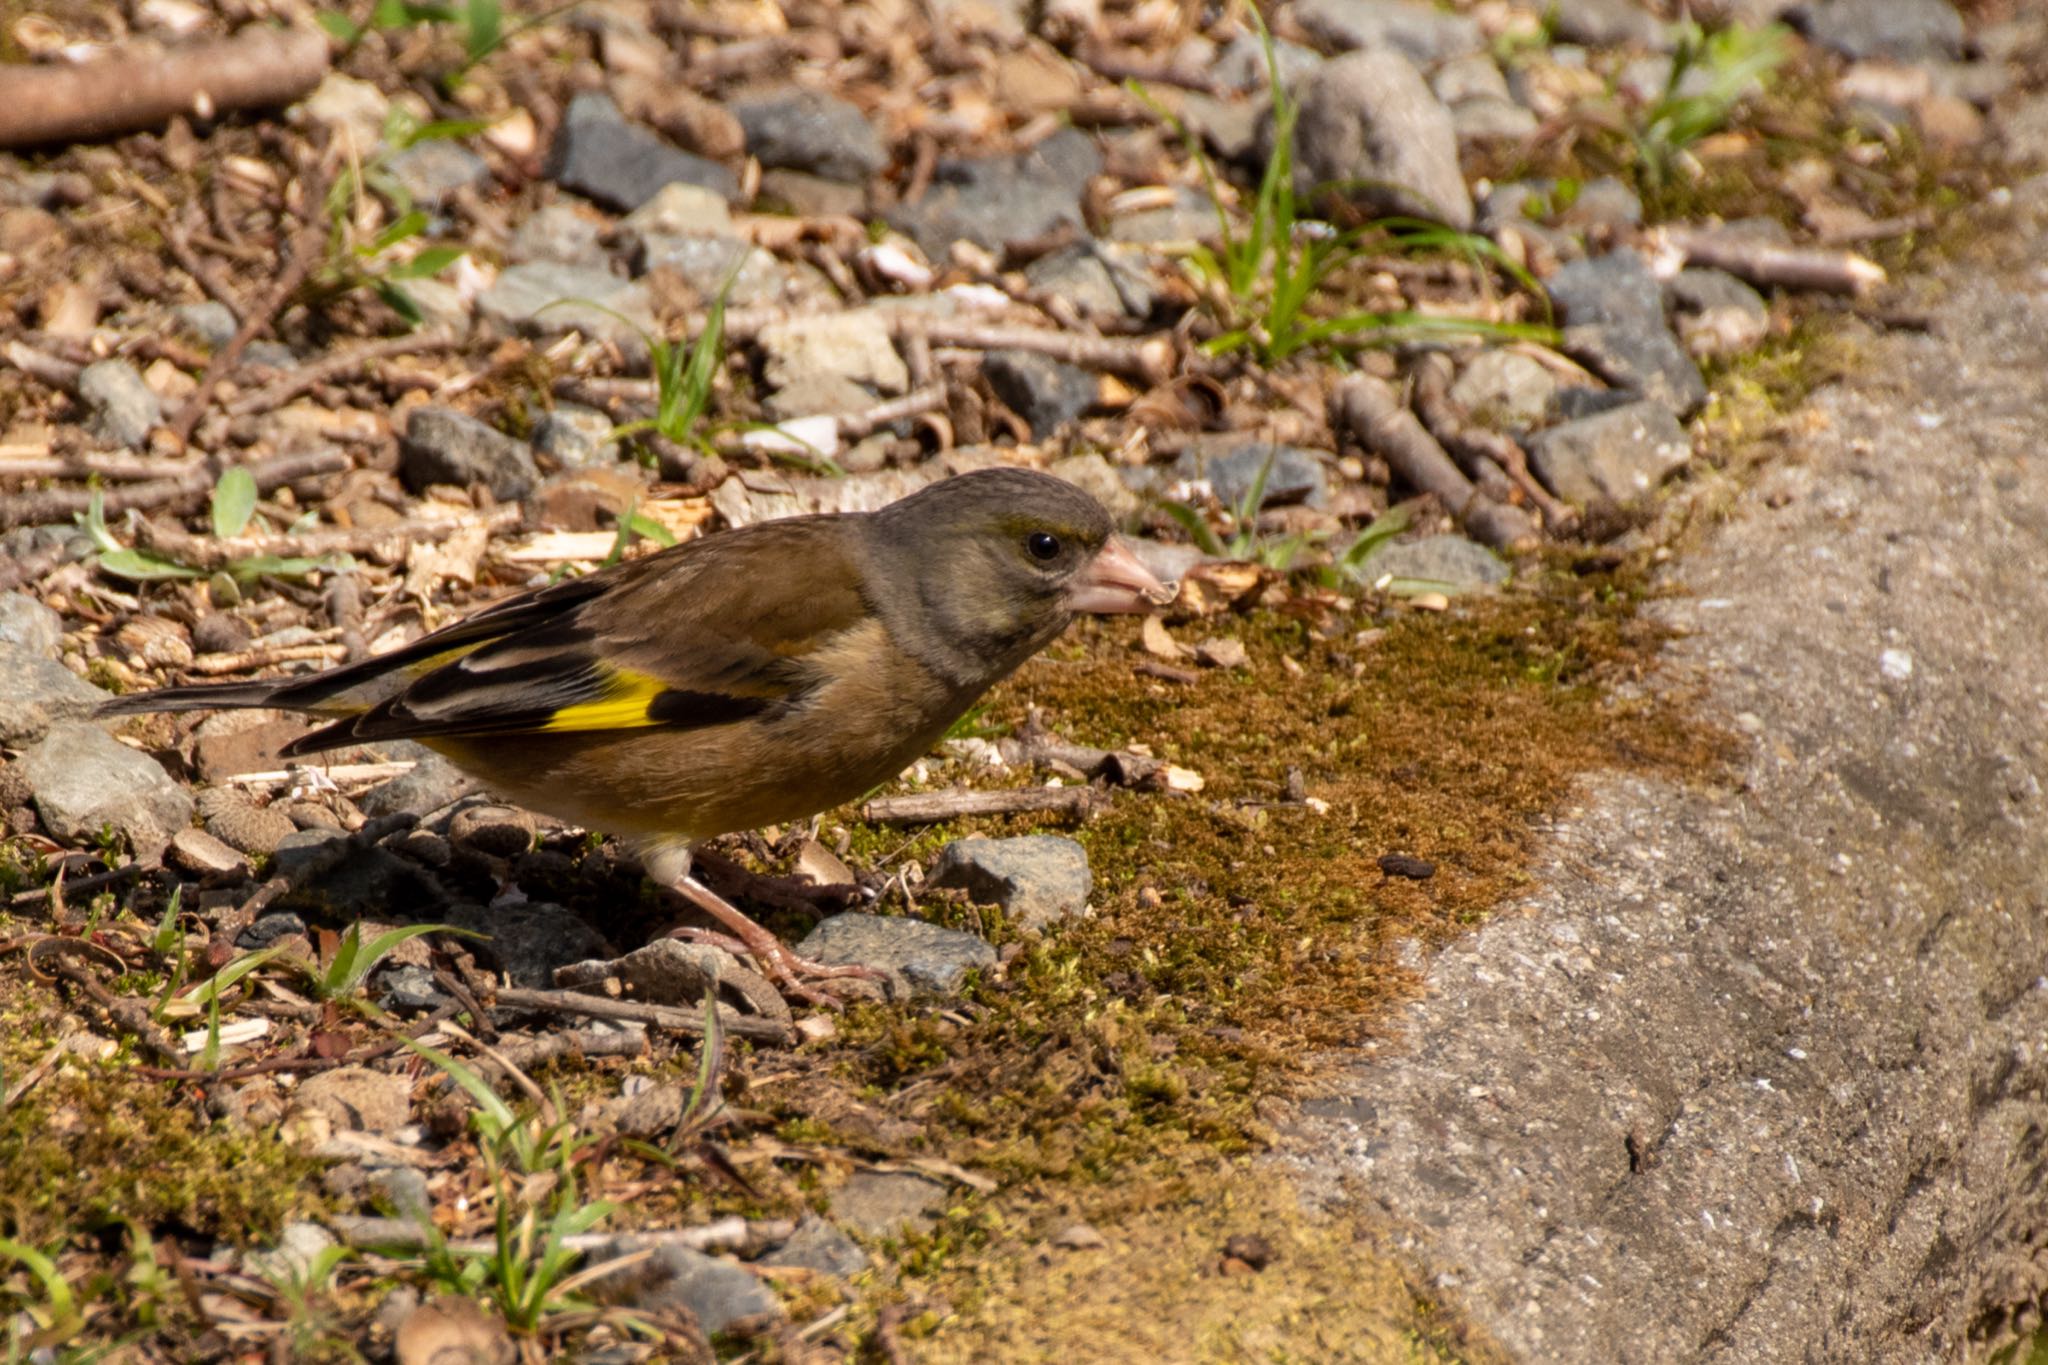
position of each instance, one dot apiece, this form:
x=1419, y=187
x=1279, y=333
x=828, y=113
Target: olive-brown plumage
x=743, y=679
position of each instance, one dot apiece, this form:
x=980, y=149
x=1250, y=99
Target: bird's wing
x=713, y=632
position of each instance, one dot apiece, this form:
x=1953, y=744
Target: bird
x=749, y=677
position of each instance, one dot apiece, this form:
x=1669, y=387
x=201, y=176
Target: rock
x=1900, y=30
x=209, y=322
x=1416, y=30
x=1037, y=879
x=1099, y=279
x=716, y=1292
x=575, y=437
x=343, y=103
x=1034, y=80
x=84, y=781
x=1614, y=308
x=1449, y=564
x=529, y=943
x=452, y=1331
x=1602, y=203
x=1608, y=23
x=1098, y=477
x=645, y=1113
x=853, y=354
x=334, y=877
x=547, y=298
x=561, y=233
x=620, y=165
x=809, y=130
x=433, y=170
x=679, y=211
x=358, y=1099
x=1189, y=217
x=442, y=445
x=749, y=276
x=299, y=1245
x=1504, y=390
x=1232, y=465
x=1618, y=456
x=271, y=928
x=1473, y=77
x=1717, y=314
x=1045, y=392
x=1483, y=119
x=37, y=692
x=442, y=306
x=887, y=1203
x=197, y=851
x=433, y=783
x=991, y=201
x=1222, y=651
x=492, y=830
x=243, y=825
x=812, y=196
x=818, y=1245
x=1241, y=65
x=919, y=958
x=28, y=625
x=1369, y=124
x=667, y=971
x=120, y=408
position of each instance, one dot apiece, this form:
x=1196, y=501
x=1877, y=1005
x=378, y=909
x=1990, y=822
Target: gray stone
x=1413, y=28
x=120, y=408
x=718, y=1293
x=561, y=233
x=402, y=1190
x=667, y=971
x=268, y=929
x=1105, y=281
x=1717, y=314
x=209, y=322
x=434, y=782
x=332, y=876
x=818, y=1245
x=994, y=200
x=84, y=781
x=1485, y=118
x=622, y=165
x=1241, y=65
x=27, y=624
x=852, y=352
x=918, y=958
x=1232, y=465
x=1230, y=129
x=1609, y=23
x=1618, y=456
x=800, y=129
x=1037, y=879
x=887, y=1203
x=1190, y=217
x=441, y=305
x=1469, y=78
x=1898, y=30
x=357, y=1099
x=748, y=276
x=442, y=445
x=1103, y=481
x=299, y=1245
x=574, y=437
x=1505, y=390
x=1604, y=202
x=679, y=211
x=528, y=943
x=243, y=825
x=1371, y=132
x=1614, y=310
x=550, y=297
x=1045, y=392
x=1450, y=564
x=812, y=196
x=433, y=170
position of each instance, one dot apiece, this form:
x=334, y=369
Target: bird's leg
x=792, y=973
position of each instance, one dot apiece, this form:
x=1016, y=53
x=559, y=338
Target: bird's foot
x=791, y=974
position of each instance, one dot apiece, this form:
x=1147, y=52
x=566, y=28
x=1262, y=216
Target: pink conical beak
x=1116, y=583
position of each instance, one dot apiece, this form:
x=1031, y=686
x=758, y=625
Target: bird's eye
x=1043, y=545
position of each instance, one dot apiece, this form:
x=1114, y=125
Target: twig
x=1377, y=419
x=1481, y=452
x=52, y=371
x=660, y=1016
x=1151, y=358
x=333, y=367
x=1124, y=65
x=930, y=808
x=202, y=271
x=249, y=660
x=185, y=489
x=129, y=1015
x=930, y=398
x=386, y=544
x=1769, y=263
x=143, y=86
x=114, y=466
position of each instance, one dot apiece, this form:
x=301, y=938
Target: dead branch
x=201, y=270
x=182, y=491
x=1496, y=463
x=385, y=544
x=145, y=87
x=51, y=371
x=250, y=660
x=1374, y=415
x=930, y=808
x=110, y=466
x=1769, y=263
x=660, y=1016
x=335, y=366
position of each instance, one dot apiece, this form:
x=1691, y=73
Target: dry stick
x=307, y=248
x=116, y=466
x=345, y=610
x=1770, y=263
x=144, y=87
x=185, y=489
x=386, y=543
x=333, y=367
x=250, y=660
x=661, y=1016
x=1150, y=358
x=1378, y=420
x=930, y=808
x=195, y=265
x=46, y=369
x=1478, y=449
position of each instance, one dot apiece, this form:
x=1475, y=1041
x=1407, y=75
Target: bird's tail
x=203, y=697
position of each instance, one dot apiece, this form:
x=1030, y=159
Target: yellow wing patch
x=623, y=706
